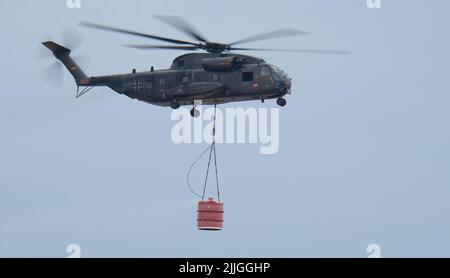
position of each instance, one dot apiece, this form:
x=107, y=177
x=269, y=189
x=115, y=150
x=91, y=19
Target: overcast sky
x=364, y=140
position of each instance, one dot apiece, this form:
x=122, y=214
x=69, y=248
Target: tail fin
x=63, y=54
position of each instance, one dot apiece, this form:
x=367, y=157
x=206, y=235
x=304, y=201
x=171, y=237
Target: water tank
x=210, y=215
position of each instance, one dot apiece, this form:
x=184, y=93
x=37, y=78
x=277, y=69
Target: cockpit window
x=265, y=71
x=247, y=76
x=277, y=73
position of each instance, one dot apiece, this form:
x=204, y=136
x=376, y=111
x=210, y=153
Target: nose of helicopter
x=284, y=82
x=288, y=83
x=284, y=85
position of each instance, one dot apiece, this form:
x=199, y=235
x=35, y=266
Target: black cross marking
x=137, y=85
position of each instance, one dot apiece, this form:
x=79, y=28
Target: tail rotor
x=52, y=70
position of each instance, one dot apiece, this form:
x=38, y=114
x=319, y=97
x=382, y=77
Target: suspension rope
x=217, y=176
x=207, y=170
x=215, y=156
x=211, y=149
x=190, y=169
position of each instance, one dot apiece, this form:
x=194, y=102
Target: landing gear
x=195, y=113
x=281, y=102
x=175, y=105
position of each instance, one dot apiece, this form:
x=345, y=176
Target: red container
x=210, y=215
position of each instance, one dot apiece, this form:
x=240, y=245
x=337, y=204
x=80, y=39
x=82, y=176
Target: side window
x=247, y=76
x=265, y=71
x=162, y=81
x=181, y=63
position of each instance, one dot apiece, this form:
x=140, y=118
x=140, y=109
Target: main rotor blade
x=272, y=35
x=313, y=51
x=182, y=25
x=123, y=31
x=173, y=47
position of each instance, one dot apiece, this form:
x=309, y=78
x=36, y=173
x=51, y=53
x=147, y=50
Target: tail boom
x=63, y=54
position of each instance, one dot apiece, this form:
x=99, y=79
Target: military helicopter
x=215, y=77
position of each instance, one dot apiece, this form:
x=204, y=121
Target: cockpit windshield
x=277, y=73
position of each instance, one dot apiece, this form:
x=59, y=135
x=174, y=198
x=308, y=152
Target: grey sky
x=364, y=153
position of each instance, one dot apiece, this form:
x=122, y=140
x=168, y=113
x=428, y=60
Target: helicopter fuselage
x=207, y=77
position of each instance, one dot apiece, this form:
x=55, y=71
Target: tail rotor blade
x=72, y=39
x=82, y=60
x=53, y=74
x=44, y=54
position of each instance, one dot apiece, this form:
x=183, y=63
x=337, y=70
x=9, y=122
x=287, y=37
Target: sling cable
x=209, y=212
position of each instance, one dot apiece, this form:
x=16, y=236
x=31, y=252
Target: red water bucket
x=210, y=215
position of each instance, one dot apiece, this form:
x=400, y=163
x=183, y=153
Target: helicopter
x=215, y=77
